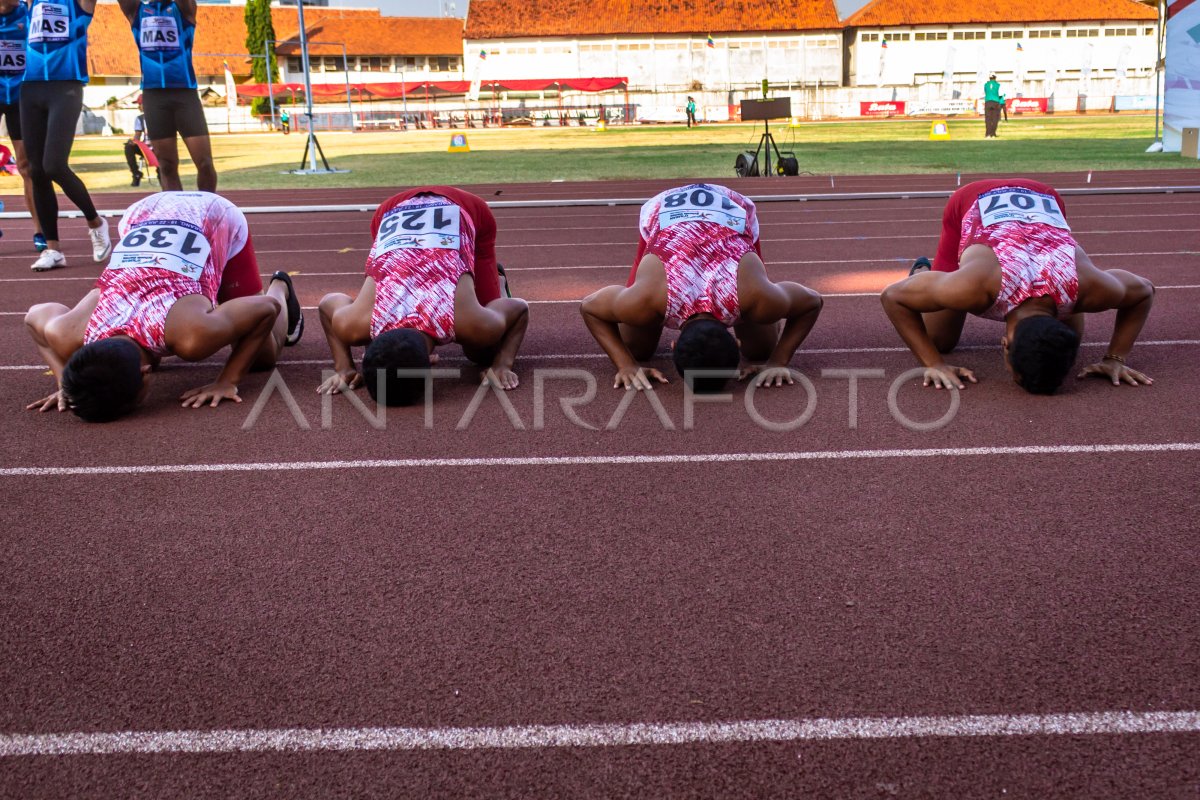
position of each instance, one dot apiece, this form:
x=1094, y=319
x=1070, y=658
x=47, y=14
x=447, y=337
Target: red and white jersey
x=700, y=233
x=1033, y=243
x=172, y=244
x=423, y=246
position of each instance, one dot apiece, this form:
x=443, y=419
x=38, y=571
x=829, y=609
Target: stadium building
x=933, y=52
x=666, y=49
x=376, y=49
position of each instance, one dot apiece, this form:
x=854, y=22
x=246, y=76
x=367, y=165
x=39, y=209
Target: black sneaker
x=295, y=327
x=137, y=179
x=920, y=265
x=500, y=268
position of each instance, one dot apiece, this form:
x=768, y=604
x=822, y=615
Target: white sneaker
x=101, y=244
x=49, y=259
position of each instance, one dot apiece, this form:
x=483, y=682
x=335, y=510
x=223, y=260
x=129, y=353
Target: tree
x=260, y=29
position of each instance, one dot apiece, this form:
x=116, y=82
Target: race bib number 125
x=1020, y=205
x=178, y=247
x=427, y=228
x=701, y=205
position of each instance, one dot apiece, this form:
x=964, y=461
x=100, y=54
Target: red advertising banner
x=890, y=108
x=1028, y=105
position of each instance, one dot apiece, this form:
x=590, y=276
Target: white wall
x=664, y=63
x=1043, y=60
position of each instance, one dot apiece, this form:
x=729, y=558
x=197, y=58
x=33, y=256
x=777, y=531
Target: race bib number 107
x=1020, y=205
x=426, y=228
x=178, y=247
x=701, y=205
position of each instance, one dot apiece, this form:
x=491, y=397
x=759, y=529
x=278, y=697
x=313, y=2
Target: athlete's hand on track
x=637, y=378
x=502, y=378
x=768, y=375
x=1117, y=372
x=212, y=394
x=947, y=377
x=58, y=399
x=344, y=381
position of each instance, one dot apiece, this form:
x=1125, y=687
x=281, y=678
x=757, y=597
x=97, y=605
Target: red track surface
x=487, y=596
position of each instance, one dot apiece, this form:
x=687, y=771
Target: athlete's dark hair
x=401, y=349
x=706, y=345
x=1041, y=353
x=102, y=380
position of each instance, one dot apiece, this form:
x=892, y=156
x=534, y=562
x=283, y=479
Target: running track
x=1004, y=606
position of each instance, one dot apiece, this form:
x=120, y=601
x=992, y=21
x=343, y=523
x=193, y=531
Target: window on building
x=374, y=63
x=331, y=64
x=295, y=64
x=969, y=35
x=1008, y=34
x=1149, y=31
x=870, y=37
x=1082, y=33
x=930, y=36
x=1120, y=31
x=1046, y=33
x=897, y=36
x=452, y=64
x=410, y=62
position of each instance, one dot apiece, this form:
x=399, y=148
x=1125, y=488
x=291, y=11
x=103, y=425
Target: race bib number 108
x=701, y=205
x=178, y=247
x=1020, y=205
x=426, y=228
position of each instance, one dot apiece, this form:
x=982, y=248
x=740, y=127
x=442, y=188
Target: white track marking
x=636, y=460
x=882, y=262
x=815, y=351
x=298, y=740
x=916, y=194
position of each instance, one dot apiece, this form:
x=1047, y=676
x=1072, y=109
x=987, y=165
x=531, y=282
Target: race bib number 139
x=178, y=247
x=1020, y=205
x=701, y=205
x=427, y=228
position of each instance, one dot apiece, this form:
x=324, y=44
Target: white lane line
x=814, y=351
x=292, y=740
x=884, y=262
x=775, y=224
x=558, y=461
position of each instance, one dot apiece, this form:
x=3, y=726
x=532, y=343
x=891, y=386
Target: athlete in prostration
x=183, y=281
x=431, y=279
x=1006, y=253
x=699, y=270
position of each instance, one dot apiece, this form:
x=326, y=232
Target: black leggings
x=49, y=113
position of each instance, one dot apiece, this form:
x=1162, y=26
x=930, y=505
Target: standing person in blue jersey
x=164, y=31
x=14, y=28
x=51, y=101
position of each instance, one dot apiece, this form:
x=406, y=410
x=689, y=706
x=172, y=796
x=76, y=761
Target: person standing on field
x=51, y=102
x=164, y=31
x=691, y=112
x=14, y=28
x=993, y=101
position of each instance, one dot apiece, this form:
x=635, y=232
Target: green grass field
x=1039, y=144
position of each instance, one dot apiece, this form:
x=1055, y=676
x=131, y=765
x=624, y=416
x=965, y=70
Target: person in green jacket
x=691, y=112
x=993, y=101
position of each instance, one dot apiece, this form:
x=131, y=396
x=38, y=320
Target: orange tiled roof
x=948, y=12
x=503, y=19
x=222, y=29
x=383, y=37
